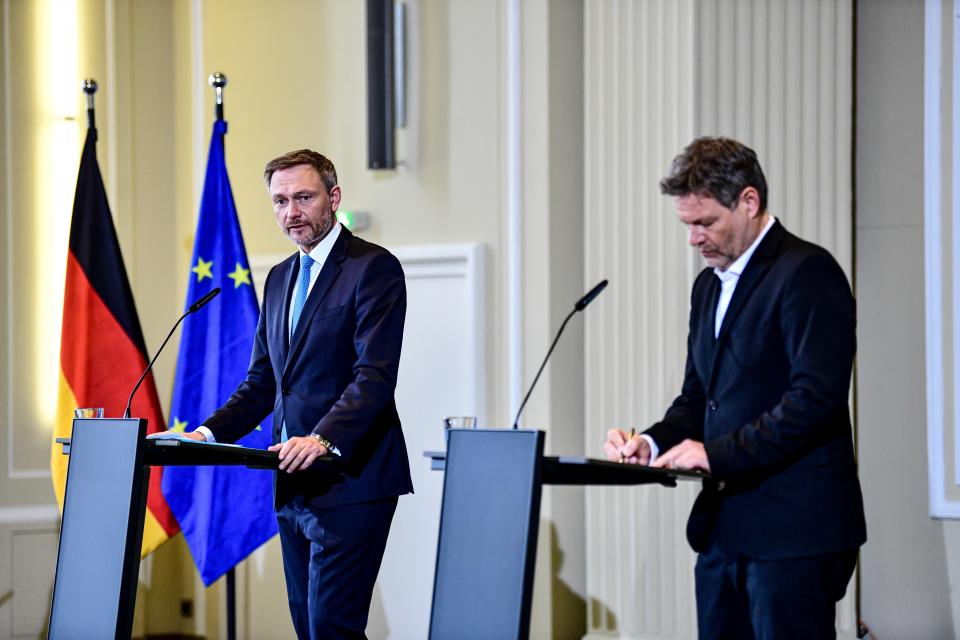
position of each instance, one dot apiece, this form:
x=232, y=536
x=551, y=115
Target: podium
x=101, y=533
x=489, y=521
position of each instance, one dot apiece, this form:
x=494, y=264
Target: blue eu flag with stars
x=225, y=513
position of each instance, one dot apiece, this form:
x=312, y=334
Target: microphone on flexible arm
x=579, y=306
x=196, y=306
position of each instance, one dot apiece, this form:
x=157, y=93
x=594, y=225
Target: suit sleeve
x=684, y=418
x=818, y=329
x=253, y=400
x=381, y=304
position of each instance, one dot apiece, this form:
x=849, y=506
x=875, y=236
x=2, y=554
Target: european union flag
x=225, y=512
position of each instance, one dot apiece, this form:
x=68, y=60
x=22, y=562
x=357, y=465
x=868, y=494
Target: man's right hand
x=621, y=447
x=195, y=435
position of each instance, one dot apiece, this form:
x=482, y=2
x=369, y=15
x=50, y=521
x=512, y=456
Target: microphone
x=196, y=306
x=590, y=295
x=579, y=306
x=202, y=302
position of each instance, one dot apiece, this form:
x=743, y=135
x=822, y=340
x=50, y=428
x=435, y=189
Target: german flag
x=102, y=352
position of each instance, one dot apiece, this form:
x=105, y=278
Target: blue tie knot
x=306, y=262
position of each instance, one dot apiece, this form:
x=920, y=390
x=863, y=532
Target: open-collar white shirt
x=731, y=275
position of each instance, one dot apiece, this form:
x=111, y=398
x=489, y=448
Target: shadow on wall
x=602, y=616
x=569, y=607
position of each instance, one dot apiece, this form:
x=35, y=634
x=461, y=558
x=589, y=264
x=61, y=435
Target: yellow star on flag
x=240, y=276
x=203, y=269
x=178, y=426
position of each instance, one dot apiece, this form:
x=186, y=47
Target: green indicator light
x=355, y=221
x=345, y=218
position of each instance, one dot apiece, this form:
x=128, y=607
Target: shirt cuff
x=654, y=449
x=206, y=433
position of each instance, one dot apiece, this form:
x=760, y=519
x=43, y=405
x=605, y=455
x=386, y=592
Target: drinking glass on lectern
x=88, y=412
x=459, y=422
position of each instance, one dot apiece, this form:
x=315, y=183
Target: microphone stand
x=126, y=412
x=579, y=306
x=542, y=365
x=196, y=306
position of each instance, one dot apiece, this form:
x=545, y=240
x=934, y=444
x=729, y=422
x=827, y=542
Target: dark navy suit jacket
x=334, y=376
x=768, y=398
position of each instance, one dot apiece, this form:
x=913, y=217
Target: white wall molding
x=458, y=261
x=45, y=514
x=9, y=401
x=8, y=239
x=514, y=210
x=941, y=207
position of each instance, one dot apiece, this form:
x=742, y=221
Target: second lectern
x=489, y=523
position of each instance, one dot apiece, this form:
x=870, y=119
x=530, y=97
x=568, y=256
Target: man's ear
x=750, y=200
x=334, y=195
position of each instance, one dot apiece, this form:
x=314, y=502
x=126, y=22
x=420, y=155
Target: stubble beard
x=318, y=233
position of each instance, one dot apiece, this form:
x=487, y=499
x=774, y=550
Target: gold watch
x=319, y=438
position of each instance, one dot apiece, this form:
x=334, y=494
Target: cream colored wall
x=910, y=565
x=297, y=78
x=126, y=47
x=296, y=73
x=288, y=91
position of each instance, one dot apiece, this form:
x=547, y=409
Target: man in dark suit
x=325, y=363
x=763, y=408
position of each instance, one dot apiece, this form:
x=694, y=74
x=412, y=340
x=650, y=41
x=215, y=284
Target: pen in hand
x=632, y=433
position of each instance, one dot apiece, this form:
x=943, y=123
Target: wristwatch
x=319, y=438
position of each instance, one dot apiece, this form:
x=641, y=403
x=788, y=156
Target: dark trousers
x=742, y=599
x=331, y=558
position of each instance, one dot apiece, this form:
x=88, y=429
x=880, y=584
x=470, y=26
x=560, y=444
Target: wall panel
x=776, y=75
x=638, y=112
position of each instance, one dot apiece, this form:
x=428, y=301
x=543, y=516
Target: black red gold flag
x=102, y=351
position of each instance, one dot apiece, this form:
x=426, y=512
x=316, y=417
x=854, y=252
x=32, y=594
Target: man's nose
x=694, y=236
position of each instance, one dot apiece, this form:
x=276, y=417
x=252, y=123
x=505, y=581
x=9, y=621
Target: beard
x=308, y=234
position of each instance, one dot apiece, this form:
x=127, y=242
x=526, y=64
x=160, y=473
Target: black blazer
x=769, y=399
x=335, y=377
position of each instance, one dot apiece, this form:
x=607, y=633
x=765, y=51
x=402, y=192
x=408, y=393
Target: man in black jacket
x=764, y=409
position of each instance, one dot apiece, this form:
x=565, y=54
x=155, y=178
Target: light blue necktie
x=303, y=288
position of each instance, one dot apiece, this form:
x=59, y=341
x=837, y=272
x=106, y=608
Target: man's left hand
x=689, y=454
x=298, y=453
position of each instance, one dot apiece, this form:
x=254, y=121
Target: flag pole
x=217, y=82
x=90, y=87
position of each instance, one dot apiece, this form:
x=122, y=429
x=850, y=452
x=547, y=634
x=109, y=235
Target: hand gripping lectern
x=489, y=522
x=102, y=528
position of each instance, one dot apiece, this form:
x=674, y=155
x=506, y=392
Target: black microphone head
x=199, y=304
x=590, y=295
